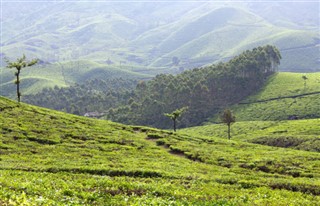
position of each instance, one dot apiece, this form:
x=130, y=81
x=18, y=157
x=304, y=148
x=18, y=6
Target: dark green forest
x=205, y=91
x=93, y=95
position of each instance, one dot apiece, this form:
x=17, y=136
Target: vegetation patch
x=154, y=136
x=120, y=165
x=304, y=188
x=199, y=93
x=285, y=96
x=104, y=172
x=43, y=141
x=308, y=144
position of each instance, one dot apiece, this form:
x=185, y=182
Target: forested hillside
x=92, y=96
x=205, y=91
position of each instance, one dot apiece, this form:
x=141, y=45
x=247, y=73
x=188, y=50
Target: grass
x=53, y=158
x=273, y=106
x=251, y=131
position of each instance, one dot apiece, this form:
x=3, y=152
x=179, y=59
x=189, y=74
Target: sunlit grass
x=53, y=158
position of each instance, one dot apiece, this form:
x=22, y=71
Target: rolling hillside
x=296, y=134
x=49, y=157
x=285, y=96
x=146, y=37
x=52, y=158
x=62, y=74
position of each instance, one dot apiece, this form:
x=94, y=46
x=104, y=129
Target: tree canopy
x=18, y=65
x=175, y=115
x=228, y=118
x=205, y=91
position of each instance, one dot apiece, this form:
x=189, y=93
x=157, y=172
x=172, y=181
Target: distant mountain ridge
x=148, y=38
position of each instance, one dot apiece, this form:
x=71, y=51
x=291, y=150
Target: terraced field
x=285, y=96
x=53, y=158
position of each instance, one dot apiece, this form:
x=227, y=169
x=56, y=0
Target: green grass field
x=280, y=99
x=53, y=158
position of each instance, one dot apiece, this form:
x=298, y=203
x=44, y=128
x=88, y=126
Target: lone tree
x=228, y=118
x=175, y=115
x=305, y=78
x=19, y=64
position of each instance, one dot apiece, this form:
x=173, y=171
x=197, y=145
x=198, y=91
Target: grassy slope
x=49, y=157
x=283, y=85
x=306, y=130
x=62, y=74
x=205, y=39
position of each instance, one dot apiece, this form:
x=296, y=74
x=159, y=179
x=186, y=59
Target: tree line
x=94, y=95
x=204, y=91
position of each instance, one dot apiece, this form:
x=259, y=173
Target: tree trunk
x=18, y=85
x=174, y=125
x=229, y=136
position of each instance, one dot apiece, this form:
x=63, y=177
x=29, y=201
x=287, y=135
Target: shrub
x=154, y=136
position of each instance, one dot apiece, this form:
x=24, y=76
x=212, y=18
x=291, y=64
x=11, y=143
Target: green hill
x=224, y=32
x=62, y=74
x=285, y=96
x=53, y=158
x=297, y=134
x=143, y=38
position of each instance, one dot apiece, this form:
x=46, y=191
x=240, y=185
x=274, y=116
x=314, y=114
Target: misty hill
x=53, y=158
x=151, y=34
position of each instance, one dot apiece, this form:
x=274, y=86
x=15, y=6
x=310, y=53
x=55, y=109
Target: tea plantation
x=52, y=158
x=285, y=96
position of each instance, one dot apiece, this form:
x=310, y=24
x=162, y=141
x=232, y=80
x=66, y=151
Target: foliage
x=92, y=96
x=203, y=90
x=46, y=75
x=53, y=158
x=175, y=115
x=228, y=118
x=18, y=65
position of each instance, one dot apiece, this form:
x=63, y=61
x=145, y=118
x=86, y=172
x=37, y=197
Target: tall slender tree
x=18, y=65
x=305, y=78
x=228, y=118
